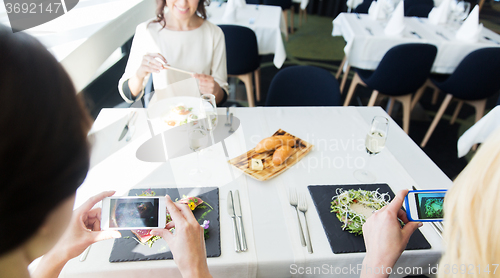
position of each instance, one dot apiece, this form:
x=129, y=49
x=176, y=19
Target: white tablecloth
x=86, y=36
x=266, y=21
x=479, y=131
x=367, y=43
x=337, y=134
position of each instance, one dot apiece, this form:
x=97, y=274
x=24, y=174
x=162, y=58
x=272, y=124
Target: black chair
x=285, y=6
x=363, y=7
x=419, y=8
x=303, y=86
x=401, y=72
x=360, y=9
x=474, y=80
x=242, y=54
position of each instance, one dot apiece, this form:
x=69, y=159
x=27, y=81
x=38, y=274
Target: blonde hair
x=472, y=228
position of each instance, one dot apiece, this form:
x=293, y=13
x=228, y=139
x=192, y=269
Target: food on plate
x=193, y=202
x=274, y=142
x=144, y=235
x=353, y=207
x=256, y=164
x=178, y=115
x=281, y=154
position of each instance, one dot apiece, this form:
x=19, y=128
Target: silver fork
x=294, y=203
x=303, y=208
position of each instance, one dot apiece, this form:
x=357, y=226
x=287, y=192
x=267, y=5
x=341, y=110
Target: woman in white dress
x=182, y=38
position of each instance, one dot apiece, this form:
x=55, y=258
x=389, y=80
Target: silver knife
x=237, y=209
x=125, y=129
x=230, y=210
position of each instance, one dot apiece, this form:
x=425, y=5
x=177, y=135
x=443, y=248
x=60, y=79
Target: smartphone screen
x=425, y=205
x=430, y=205
x=137, y=212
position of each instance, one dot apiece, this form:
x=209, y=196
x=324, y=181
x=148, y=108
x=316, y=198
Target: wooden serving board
x=242, y=162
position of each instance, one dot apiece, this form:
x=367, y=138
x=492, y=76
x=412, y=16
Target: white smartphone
x=132, y=213
x=425, y=205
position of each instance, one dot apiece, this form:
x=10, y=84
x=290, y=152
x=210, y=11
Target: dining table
x=270, y=223
x=366, y=42
x=266, y=21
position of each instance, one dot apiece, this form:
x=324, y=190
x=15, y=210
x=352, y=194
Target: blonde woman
x=472, y=229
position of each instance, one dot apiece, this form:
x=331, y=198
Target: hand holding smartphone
x=132, y=213
x=425, y=205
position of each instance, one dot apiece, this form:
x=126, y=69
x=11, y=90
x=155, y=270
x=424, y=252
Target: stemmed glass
x=374, y=143
x=198, y=140
x=209, y=108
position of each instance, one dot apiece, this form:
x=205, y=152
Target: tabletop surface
x=274, y=248
x=367, y=43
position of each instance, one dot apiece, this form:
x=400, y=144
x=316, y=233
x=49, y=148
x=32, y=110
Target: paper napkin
x=375, y=12
x=470, y=29
x=230, y=12
x=439, y=15
x=396, y=24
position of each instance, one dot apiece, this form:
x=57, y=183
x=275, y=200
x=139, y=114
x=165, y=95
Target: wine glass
x=209, y=109
x=374, y=143
x=198, y=140
x=460, y=10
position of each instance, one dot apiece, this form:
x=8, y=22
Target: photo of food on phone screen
x=137, y=212
x=430, y=205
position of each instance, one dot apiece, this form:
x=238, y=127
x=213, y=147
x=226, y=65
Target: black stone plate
x=128, y=249
x=342, y=241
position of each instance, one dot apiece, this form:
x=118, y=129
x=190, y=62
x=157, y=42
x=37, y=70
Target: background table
x=365, y=50
x=338, y=135
x=85, y=37
x=266, y=21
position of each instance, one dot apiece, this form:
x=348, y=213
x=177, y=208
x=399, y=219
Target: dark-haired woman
x=181, y=37
x=44, y=157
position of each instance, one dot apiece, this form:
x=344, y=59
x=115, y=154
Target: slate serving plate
x=342, y=241
x=128, y=249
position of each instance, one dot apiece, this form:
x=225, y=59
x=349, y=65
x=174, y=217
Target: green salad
x=352, y=220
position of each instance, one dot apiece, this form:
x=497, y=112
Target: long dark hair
x=160, y=7
x=44, y=153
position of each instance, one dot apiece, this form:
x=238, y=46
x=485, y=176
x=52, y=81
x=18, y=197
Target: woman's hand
x=150, y=64
x=187, y=242
x=84, y=229
x=385, y=240
x=208, y=85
